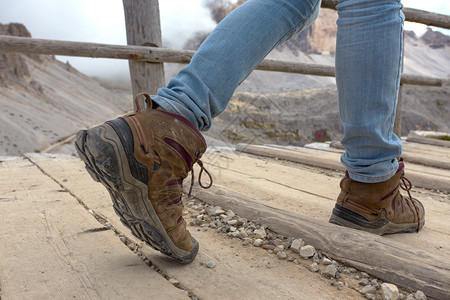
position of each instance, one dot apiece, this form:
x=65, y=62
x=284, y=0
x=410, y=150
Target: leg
x=143, y=158
x=240, y=42
x=368, y=62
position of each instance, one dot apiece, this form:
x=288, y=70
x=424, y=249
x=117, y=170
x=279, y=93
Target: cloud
x=103, y=21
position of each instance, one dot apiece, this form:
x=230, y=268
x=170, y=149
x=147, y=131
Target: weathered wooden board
x=429, y=141
x=53, y=248
x=328, y=160
x=313, y=191
x=422, y=154
x=389, y=260
x=240, y=272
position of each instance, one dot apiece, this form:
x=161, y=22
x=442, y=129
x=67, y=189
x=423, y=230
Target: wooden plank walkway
x=57, y=242
x=52, y=248
x=64, y=250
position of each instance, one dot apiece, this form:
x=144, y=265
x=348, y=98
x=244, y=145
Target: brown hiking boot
x=142, y=160
x=378, y=207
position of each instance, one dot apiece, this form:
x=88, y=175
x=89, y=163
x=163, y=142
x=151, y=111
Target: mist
x=102, y=21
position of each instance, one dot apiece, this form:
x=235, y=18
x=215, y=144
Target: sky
x=102, y=21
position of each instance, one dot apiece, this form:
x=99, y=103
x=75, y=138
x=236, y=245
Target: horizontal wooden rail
x=411, y=15
x=158, y=55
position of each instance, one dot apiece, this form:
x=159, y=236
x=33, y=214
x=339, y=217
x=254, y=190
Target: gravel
x=257, y=235
x=363, y=281
x=296, y=245
x=278, y=248
x=281, y=255
x=258, y=243
x=368, y=289
x=307, y=251
x=389, y=291
x=330, y=271
x=210, y=264
x=419, y=295
x=260, y=233
x=314, y=267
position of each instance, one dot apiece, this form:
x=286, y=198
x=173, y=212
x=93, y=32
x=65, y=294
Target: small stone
x=260, y=233
x=277, y=242
x=340, y=285
x=290, y=259
x=210, y=264
x=213, y=224
x=330, y=270
x=268, y=247
x=326, y=261
x=258, y=243
x=174, y=282
x=235, y=234
x=232, y=229
x=314, y=267
x=123, y=239
x=316, y=258
x=352, y=270
x=230, y=213
x=410, y=297
x=364, y=275
x=389, y=291
x=363, y=281
x=296, y=245
x=281, y=255
x=232, y=222
x=278, y=248
x=296, y=261
x=374, y=283
x=197, y=207
x=214, y=211
x=307, y=251
x=246, y=241
x=419, y=295
x=131, y=246
x=338, y=275
x=368, y=289
x=243, y=234
x=370, y=296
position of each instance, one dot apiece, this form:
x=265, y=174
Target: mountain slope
x=43, y=100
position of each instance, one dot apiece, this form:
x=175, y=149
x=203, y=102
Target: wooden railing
x=146, y=68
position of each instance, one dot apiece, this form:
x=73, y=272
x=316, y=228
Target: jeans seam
x=283, y=39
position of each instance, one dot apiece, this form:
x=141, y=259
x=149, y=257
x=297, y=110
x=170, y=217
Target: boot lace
x=202, y=169
x=406, y=185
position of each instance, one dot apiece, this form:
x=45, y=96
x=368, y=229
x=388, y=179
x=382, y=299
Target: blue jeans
x=368, y=63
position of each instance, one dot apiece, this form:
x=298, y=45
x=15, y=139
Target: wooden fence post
x=144, y=29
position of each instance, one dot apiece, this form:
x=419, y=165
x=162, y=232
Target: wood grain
x=384, y=258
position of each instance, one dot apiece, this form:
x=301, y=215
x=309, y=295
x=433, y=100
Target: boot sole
x=107, y=161
x=347, y=218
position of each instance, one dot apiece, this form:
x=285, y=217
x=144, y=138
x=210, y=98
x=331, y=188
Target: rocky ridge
x=44, y=100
